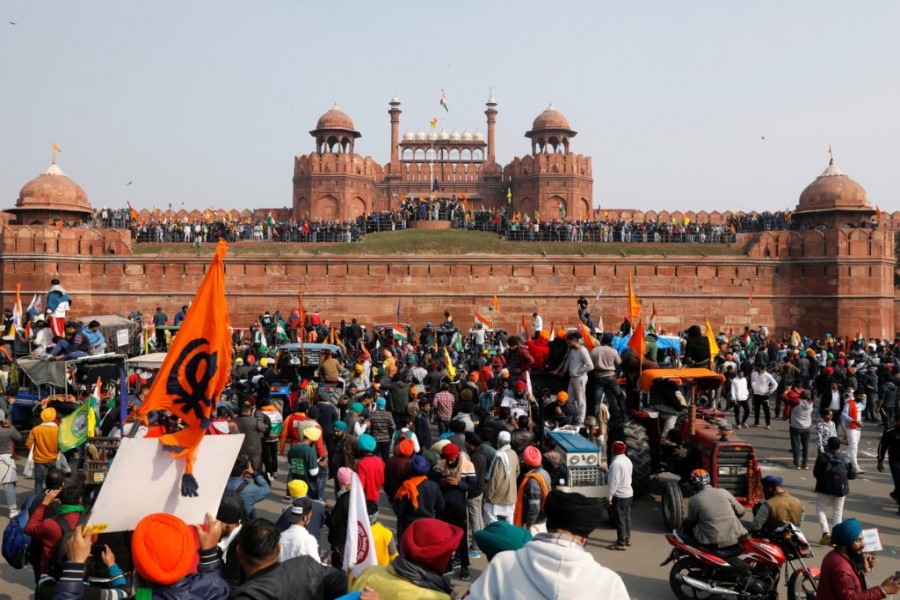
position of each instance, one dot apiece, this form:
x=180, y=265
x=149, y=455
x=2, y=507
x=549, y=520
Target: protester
x=832, y=472
x=825, y=430
x=250, y=486
x=619, y=495
x=533, y=492
x=383, y=539
x=554, y=564
x=9, y=436
x=501, y=536
x=762, y=384
x=370, y=468
x=455, y=474
x=888, y=445
x=418, y=497
x=501, y=491
x=296, y=540
x=298, y=578
x=425, y=551
x=779, y=507
x=713, y=516
x=852, y=421
x=43, y=441
x=800, y=423
x=843, y=572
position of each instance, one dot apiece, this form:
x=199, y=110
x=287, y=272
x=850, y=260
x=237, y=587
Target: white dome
x=491, y=100
x=455, y=136
x=444, y=136
x=432, y=135
x=395, y=100
x=478, y=137
x=467, y=135
x=420, y=135
x=409, y=135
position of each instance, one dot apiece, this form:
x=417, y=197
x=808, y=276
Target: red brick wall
x=835, y=281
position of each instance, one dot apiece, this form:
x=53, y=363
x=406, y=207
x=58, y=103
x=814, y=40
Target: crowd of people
x=601, y=226
x=443, y=430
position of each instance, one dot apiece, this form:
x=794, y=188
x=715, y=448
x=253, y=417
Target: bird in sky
x=13, y=23
x=129, y=183
x=763, y=137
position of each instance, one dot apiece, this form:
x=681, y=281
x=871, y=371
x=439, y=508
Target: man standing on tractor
x=762, y=384
x=779, y=507
x=713, y=513
x=603, y=378
x=577, y=365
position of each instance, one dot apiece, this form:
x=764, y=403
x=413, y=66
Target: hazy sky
x=204, y=103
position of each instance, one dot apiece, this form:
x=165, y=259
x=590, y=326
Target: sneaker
x=464, y=574
x=474, y=554
x=805, y=468
x=797, y=467
x=861, y=472
x=768, y=427
x=826, y=538
x=13, y=513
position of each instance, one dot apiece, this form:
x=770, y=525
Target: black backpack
x=232, y=498
x=836, y=479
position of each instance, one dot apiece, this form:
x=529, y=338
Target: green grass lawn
x=444, y=242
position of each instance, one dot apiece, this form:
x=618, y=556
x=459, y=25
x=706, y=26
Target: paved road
x=638, y=566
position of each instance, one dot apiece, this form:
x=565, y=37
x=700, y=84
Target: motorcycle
x=751, y=571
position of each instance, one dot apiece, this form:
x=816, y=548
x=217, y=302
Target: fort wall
x=839, y=281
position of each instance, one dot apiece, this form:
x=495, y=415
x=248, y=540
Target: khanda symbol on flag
x=195, y=370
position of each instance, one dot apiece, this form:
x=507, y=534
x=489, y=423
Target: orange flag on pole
x=496, y=304
x=524, y=330
x=481, y=319
x=589, y=342
x=638, y=341
x=634, y=307
x=195, y=370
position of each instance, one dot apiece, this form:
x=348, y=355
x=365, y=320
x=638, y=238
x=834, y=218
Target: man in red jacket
x=50, y=531
x=844, y=568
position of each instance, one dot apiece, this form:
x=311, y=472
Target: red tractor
x=677, y=431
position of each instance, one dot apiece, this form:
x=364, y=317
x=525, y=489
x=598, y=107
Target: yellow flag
x=713, y=344
x=56, y=148
x=451, y=370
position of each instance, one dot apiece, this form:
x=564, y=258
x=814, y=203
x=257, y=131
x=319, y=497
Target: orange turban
x=163, y=548
x=545, y=334
x=406, y=447
x=561, y=333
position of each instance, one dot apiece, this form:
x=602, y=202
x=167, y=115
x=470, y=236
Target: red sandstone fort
x=835, y=277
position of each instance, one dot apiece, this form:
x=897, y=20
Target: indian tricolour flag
x=399, y=332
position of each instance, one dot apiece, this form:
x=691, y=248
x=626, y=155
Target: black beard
x=855, y=556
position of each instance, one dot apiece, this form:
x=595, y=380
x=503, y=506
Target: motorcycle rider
x=779, y=507
x=713, y=517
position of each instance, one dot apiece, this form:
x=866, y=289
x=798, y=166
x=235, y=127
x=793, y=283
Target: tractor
x=677, y=431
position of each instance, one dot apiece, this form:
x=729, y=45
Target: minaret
x=491, y=113
x=395, y=134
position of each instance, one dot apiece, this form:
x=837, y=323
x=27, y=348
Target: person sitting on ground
x=416, y=574
x=554, y=564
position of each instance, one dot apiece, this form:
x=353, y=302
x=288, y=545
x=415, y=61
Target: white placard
x=144, y=479
x=871, y=540
x=122, y=338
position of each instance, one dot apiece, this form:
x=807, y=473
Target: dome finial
x=830, y=155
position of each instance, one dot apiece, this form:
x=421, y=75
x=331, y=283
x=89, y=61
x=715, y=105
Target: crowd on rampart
x=603, y=227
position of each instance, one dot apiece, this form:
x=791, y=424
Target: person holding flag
x=195, y=370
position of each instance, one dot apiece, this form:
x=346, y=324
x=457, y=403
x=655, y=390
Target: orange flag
x=195, y=370
x=496, y=304
x=523, y=330
x=589, y=342
x=638, y=342
x=634, y=307
x=481, y=319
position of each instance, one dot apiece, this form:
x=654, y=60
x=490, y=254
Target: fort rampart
x=814, y=281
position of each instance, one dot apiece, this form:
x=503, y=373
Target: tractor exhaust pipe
x=705, y=587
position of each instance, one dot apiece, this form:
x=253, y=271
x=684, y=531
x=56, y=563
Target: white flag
x=359, y=549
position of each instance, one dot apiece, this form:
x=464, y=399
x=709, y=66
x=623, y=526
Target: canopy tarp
x=651, y=375
x=663, y=342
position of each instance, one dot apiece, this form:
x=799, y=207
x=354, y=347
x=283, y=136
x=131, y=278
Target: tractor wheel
x=672, y=506
x=639, y=452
